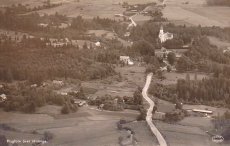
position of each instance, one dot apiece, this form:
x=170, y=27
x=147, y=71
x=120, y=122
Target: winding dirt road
x=155, y=131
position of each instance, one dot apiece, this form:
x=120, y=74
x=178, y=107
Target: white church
x=164, y=36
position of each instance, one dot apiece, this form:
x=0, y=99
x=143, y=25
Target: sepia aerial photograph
x=114, y=72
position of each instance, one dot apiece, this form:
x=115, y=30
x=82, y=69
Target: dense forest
x=34, y=61
x=204, y=57
x=208, y=91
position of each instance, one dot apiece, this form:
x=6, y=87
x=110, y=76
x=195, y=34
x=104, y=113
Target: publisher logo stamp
x=217, y=139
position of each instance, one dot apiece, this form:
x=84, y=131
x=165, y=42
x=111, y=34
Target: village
x=131, y=74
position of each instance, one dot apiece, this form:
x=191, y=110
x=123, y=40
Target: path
x=155, y=131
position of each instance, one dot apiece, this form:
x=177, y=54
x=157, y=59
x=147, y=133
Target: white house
x=119, y=15
x=57, y=82
x=2, y=97
x=164, y=36
x=64, y=93
x=126, y=60
x=34, y=85
x=98, y=44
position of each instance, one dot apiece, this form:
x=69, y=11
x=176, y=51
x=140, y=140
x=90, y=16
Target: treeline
x=208, y=91
x=21, y=9
x=22, y=98
x=218, y=2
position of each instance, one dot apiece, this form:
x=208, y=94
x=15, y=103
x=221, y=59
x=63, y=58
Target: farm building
x=119, y=15
x=98, y=44
x=2, y=97
x=202, y=111
x=126, y=60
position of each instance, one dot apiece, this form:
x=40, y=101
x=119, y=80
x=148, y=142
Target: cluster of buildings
x=59, y=43
x=226, y=50
x=163, y=53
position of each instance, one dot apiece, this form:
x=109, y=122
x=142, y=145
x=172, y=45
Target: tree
x=137, y=96
x=143, y=114
x=32, y=107
x=171, y=58
x=48, y=135
x=169, y=68
x=195, y=77
x=3, y=140
x=159, y=73
x=143, y=47
x=65, y=109
x=9, y=76
x=187, y=77
x=85, y=46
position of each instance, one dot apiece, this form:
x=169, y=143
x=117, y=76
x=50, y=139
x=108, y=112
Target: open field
x=133, y=76
x=142, y=133
x=88, y=126
x=164, y=106
x=201, y=122
x=20, y=117
x=173, y=76
x=140, y=19
x=179, y=135
x=196, y=13
x=218, y=42
x=89, y=8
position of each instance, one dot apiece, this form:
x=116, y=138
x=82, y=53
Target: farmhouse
x=98, y=44
x=126, y=60
x=202, y=111
x=119, y=15
x=57, y=82
x=164, y=36
x=43, y=24
x=34, y=85
x=2, y=97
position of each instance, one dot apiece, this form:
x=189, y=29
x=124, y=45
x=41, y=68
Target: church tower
x=161, y=34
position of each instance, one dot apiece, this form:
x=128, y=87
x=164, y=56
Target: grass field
x=142, y=133
x=201, y=122
x=183, y=135
x=172, y=77
x=218, y=42
x=196, y=13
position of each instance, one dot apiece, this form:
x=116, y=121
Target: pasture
x=173, y=76
x=196, y=13
x=87, y=8
x=218, y=42
x=183, y=135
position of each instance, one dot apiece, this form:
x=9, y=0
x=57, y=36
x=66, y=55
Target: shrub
x=65, y=109
x=48, y=135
